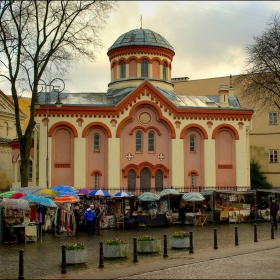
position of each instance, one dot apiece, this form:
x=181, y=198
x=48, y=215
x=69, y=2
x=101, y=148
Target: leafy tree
x=40, y=40
x=258, y=180
x=260, y=81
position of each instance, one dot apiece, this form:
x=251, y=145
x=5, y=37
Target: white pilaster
x=79, y=162
x=177, y=164
x=114, y=163
x=209, y=162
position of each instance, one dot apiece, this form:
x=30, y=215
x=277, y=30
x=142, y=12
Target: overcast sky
x=208, y=37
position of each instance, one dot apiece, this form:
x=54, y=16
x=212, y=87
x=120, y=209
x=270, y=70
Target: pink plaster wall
x=194, y=160
x=225, y=158
x=62, y=165
x=162, y=144
x=132, y=68
x=96, y=160
x=156, y=69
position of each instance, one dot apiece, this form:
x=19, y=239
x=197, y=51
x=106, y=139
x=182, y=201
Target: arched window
x=144, y=68
x=123, y=68
x=96, y=180
x=145, y=180
x=159, y=180
x=192, y=143
x=96, y=142
x=151, y=142
x=139, y=141
x=192, y=180
x=164, y=71
x=30, y=169
x=131, y=180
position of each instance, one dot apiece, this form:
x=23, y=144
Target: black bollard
x=20, y=266
x=135, y=257
x=191, y=243
x=272, y=230
x=215, y=239
x=236, y=236
x=101, y=256
x=255, y=233
x=165, y=246
x=63, y=259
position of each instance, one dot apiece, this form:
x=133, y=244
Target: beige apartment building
x=264, y=133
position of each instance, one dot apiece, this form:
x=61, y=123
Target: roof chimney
x=223, y=94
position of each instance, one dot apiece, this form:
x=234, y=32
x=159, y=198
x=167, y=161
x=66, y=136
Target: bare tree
x=39, y=38
x=260, y=81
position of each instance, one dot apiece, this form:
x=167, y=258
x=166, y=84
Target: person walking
x=182, y=214
x=274, y=211
x=89, y=217
x=77, y=219
x=98, y=219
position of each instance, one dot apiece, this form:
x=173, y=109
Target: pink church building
x=140, y=135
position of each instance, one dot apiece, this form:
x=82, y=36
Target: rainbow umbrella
x=66, y=199
x=7, y=194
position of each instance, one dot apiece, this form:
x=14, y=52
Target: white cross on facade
x=129, y=156
x=161, y=156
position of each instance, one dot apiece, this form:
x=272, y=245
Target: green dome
x=141, y=37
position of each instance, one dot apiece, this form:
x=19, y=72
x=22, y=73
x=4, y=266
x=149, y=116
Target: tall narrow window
x=131, y=179
x=96, y=180
x=192, y=143
x=30, y=169
x=123, y=72
x=145, y=180
x=192, y=180
x=151, y=142
x=96, y=142
x=159, y=180
x=139, y=141
x=144, y=68
x=164, y=72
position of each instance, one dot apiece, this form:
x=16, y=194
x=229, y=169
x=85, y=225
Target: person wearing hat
x=89, y=217
x=274, y=211
x=77, y=218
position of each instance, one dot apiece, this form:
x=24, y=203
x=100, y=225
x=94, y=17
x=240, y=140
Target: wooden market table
x=201, y=219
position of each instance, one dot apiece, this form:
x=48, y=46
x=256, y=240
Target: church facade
x=140, y=135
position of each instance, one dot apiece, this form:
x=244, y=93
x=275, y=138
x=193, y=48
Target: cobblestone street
x=41, y=258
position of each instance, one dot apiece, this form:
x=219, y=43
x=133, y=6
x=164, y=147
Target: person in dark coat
x=98, y=213
x=89, y=217
x=274, y=211
x=182, y=214
x=77, y=219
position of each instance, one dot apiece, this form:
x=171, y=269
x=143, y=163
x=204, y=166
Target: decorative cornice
x=134, y=50
x=145, y=129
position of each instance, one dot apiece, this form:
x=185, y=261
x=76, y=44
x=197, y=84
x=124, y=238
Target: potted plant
x=180, y=239
x=75, y=253
x=148, y=244
x=115, y=248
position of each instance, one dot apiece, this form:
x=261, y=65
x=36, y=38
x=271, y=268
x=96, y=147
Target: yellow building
x=265, y=132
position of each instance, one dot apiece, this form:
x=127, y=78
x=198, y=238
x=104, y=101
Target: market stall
x=148, y=213
x=233, y=206
x=16, y=224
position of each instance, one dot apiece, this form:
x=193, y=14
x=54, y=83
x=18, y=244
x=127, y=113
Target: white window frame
x=153, y=139
x=272, y=118
x=139, y=141
x=192, y=143
x=30, y=170
x=96, y=147
x=273, y=156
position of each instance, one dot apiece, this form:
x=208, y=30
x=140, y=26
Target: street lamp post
x=56, y=85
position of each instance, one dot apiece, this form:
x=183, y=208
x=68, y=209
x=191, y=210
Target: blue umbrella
x=46, y=202
x=122, y=194
x=62, y=188
x=99, y=193
x=31, y=198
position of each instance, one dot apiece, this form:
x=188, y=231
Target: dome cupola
x=138, y=55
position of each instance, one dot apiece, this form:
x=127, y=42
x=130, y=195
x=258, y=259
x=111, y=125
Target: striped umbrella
x=99, y=193
x=122, y=194
x=169, y=191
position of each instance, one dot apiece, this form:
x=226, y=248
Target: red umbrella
x=18, y=195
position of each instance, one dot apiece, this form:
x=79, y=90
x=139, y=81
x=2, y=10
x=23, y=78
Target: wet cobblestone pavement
x=41, y=259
